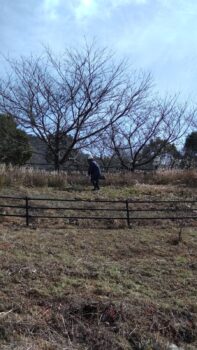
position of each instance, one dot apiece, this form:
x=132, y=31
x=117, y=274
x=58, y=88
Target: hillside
x=76, y=286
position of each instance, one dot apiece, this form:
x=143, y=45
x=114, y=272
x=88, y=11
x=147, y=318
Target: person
x=94, y=172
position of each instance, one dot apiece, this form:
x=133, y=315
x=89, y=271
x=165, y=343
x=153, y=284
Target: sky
x=158, y=36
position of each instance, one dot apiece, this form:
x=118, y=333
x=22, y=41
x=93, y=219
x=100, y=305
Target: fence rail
x=80, y=209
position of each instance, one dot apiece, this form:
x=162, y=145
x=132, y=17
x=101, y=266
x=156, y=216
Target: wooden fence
x=127, y=210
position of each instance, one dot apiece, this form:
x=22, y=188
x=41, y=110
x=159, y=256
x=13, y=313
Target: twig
x=66, y=331
x=132, y=331
x=5, y=313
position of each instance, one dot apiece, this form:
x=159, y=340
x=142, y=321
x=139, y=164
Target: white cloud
x=50, y=8
x=131, y=2
x=85, y=8
x=101, y=8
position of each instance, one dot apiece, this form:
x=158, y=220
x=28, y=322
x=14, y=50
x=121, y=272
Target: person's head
x=90, y=158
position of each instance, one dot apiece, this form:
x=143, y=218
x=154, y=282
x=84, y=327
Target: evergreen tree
x=191, y=145
x=14, y=144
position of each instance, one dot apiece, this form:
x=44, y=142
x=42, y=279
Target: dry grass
x=97, y=289
x=125, y=179
x=14, y=176
x=29, y=177
x=139, y=191
x=176, y=177
x=115, y=179
x=77, y=288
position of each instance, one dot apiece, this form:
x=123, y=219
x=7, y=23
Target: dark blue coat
x=94, y=170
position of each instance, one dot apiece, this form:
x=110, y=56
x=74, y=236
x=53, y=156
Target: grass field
x=90, y=288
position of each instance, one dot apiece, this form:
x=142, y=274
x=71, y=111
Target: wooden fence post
x=27, y=211
x=128, y=216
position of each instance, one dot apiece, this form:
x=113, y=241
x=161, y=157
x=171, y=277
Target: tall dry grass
x=111, y=179
x=29, y=177
x=161, y=177
x=175, y=177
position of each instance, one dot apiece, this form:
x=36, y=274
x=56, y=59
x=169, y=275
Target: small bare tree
x=130, y=136
x=67, y=102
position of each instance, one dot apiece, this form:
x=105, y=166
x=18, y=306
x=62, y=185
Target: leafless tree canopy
x=103, y=151
x=194, y=122
x=129, y=137
x=67, y=102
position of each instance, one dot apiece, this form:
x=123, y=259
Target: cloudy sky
x=159, y=36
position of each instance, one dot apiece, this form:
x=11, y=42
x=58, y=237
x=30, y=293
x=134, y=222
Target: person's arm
x=97, y=169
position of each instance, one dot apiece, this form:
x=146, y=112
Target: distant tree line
x=87, y=102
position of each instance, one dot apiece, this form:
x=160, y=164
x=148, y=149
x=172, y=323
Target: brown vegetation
x=92, y=288
x=97, y=289
x=29, y=177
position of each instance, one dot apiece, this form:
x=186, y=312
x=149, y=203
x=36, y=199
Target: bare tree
x=130, y=137
x=67, y=102
x=103, y=151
